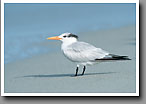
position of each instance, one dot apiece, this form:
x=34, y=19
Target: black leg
x=83, y=70
x=76, y=71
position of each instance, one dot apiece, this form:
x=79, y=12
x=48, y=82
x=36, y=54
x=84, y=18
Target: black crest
x=73, y=35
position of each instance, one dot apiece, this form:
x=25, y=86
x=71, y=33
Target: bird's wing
x=81, y=51
x=113, y=57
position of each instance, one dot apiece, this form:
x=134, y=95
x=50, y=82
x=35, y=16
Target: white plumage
x=83, y=53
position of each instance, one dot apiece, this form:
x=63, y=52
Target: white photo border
x=69, y=94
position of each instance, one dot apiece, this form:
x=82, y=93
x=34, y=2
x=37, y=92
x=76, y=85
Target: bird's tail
x=117, y=57
x=114, y=57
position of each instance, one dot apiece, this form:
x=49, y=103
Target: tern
x=84, y=53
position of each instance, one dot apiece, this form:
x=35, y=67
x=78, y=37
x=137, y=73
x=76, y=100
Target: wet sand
x=52, y=72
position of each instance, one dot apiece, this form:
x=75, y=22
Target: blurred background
x=28, y=25
x=34, y=64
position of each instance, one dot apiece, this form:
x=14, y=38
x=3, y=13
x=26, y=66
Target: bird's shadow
x=64, y=75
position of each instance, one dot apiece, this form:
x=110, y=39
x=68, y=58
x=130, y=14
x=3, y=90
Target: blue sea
x=26, y=26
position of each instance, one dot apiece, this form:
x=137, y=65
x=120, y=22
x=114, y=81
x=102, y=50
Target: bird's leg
x=77, y=70
x=83, y=70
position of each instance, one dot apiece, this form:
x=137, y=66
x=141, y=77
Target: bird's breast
x=70, y=55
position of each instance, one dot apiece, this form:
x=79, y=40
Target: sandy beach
x=52, y=72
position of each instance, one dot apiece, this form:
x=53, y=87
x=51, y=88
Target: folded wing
x=82, y=52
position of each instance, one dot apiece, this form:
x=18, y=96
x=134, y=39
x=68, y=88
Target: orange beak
x=54, y=38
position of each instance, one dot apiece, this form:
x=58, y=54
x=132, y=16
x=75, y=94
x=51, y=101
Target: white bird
x=84, y=53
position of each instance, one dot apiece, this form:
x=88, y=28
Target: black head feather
x=72, y=35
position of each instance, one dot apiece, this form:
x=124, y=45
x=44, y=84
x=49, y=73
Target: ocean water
x=28, y=25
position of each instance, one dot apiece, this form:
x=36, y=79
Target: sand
x=52, y=72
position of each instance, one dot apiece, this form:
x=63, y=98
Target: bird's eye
x=64, y=36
